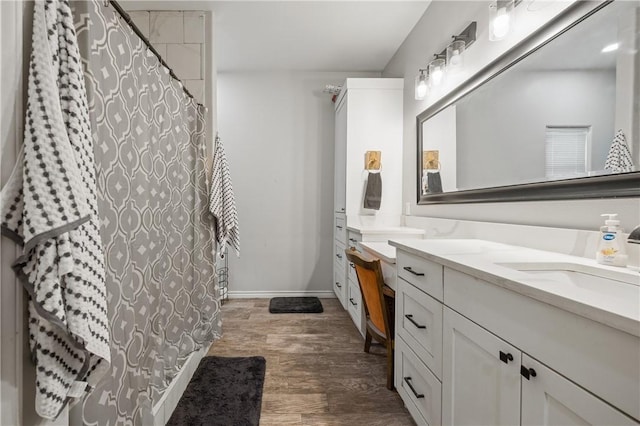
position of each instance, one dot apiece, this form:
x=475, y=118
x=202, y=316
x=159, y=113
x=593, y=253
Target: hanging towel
x=222, y=203
x=373, y=192
x=49, y=207
x=619, y=158
x=434, y=182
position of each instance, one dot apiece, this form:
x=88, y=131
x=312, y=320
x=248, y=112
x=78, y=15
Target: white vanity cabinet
x=368, y=117
x=505, y=358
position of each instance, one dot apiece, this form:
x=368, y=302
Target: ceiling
x=303, y=35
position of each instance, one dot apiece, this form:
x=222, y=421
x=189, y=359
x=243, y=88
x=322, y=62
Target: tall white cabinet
x=368, y=118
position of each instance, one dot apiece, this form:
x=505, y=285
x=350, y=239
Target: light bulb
x=436, y=77
x=455, y=60
x=421, y=90
x=421, y=86
x=501, y=23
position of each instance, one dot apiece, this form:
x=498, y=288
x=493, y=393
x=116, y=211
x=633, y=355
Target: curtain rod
x=146, y=41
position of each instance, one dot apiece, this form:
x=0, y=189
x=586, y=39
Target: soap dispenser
x=611, y=246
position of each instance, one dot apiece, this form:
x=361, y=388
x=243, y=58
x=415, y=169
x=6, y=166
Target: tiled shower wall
x=179, y=38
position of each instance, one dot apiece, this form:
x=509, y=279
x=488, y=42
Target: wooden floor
x=317, y=371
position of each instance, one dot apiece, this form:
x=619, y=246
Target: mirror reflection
x=560, y=113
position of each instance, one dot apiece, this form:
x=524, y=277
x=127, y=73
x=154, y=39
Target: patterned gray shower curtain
x=149, y=140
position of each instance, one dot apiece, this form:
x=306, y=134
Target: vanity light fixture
x=421, y=86
x=450, y=57
x=610, y=48
x=501, y=18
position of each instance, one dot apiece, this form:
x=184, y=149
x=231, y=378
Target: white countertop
x=616, y=305
x=381, y=250
x=373, y=230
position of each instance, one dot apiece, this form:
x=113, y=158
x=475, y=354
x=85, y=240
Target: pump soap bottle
x=611, y=245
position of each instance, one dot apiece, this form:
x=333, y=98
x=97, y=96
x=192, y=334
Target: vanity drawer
x=354, y=238
x=354, y=305
x=340, y=258
x=340, y=228
x=419, y=323
x=422, y=273
x=339, y=285
x=420, y=390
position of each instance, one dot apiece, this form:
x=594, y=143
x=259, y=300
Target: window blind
x=566, y=150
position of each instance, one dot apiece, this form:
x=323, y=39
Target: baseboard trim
x=163, y=409
x=270, y=294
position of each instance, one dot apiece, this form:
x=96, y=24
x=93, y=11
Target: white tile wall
x=193, y=27
x=185, y=60
x=166, y=27
x=196, y=87
x=179, y=38
x=141, y=19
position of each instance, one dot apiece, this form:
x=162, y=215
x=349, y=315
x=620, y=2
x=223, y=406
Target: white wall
x=278, y=131
x=430, y=35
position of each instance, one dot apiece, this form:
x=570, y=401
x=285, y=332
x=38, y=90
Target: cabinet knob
x=527, y=372
x=506, y=357
x=338, y=285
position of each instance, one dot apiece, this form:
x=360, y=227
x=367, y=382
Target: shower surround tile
x=185, y=59
x=141, y=19
x=166, y=27
x=193, y=27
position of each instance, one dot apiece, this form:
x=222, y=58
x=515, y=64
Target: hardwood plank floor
x=317, y=371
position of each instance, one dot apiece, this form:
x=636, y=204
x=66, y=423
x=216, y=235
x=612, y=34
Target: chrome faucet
x=634, y=236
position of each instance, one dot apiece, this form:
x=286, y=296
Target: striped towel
x=222, y=203
x=49, y=207
x=619, y=158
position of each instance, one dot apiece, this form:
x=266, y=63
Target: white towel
x=619, y=158
x=49, y=206
x=222, y=203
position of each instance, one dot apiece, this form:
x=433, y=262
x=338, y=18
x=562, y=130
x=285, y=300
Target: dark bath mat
x=295, y=305
x=222, y=392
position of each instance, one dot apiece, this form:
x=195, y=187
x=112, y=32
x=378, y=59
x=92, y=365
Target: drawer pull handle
x=338, y=285
x=505, y=357
x=352, y=265
x=338, y=226
x=410, y=318
x=407, y=380
x=353, y=240
x=408, y=269
x=339, y=256
x=527, y=372
x=352, y=302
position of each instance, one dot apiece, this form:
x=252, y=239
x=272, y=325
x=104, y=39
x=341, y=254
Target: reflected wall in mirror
x=539, y=124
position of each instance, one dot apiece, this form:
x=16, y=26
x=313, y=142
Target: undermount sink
x=583, y=276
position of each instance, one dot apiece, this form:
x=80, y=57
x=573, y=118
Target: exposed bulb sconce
x=421, y=86
x=449, y=59
x=436, y=71
x=501, y=18
x=455, y=60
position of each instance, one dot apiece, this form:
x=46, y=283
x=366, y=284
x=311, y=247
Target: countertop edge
x=611, y=319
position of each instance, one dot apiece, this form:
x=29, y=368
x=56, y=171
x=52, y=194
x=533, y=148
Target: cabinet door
x=550, y=399
x=478, y=388
x=340, y=179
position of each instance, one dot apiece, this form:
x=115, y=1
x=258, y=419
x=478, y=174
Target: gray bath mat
x=295, y=305
x=222, y=392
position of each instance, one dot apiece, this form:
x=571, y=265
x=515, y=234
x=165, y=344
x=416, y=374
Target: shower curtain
x=152, y=191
